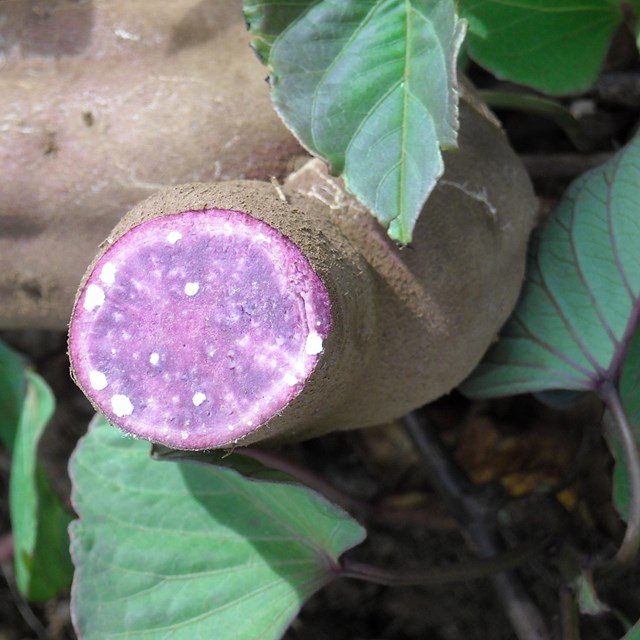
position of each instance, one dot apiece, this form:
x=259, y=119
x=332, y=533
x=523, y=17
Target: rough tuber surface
x=104, y=103
x=173, y=341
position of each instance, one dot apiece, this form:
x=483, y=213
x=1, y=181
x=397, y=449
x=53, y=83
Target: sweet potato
x=235, y=312
x=103, y=103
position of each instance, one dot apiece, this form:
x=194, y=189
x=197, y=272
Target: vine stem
x=551, y=109
x=628, y=549
x=476, y=509
x=436, y=576
x=6, y=548
x=373, y=510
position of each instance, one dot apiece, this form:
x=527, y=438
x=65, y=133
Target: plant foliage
x=556, y=46
x=38, y=520
x=576, y=323
x=580, y=304
x=370, y=86
x=192, y=550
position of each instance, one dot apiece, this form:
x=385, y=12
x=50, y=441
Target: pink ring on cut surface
x=194, y=329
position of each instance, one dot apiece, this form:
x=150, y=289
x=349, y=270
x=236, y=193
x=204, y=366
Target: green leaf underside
x=192, y=551
x=39, y=522
x=580, y=303
x=630, y=397
x=370, y=86
x=13, y=387
x=557, y=46
x=633, y=633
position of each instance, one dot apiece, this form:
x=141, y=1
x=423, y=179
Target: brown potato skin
x=408, y=324
x=103, y=103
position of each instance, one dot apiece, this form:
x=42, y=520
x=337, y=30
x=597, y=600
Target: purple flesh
x=195, y=328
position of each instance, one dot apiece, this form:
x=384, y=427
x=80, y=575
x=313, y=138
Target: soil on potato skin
x=519, y=444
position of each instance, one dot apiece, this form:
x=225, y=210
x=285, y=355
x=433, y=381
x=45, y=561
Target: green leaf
x=630, y=384
x=13, y=387
x=635, y=6
x=370, y=86
x=557, y=46
x=39, y=522
x=267, y=19
x=630, y=397
x=580, y=303
x=190, y=550
x=633, y=633
x=589, y=602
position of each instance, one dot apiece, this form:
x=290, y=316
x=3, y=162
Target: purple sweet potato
x=197, y=327
x=103, y=103
x=238, y=312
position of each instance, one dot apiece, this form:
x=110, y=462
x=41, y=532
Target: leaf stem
x=538, y=105
x=22, y=605
x=569, y=615
x=374, y=510
x=436, y=576
x=476, y=508
x=628, y=550
x=6, y=548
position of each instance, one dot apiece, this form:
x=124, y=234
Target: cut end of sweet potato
x=194, y=329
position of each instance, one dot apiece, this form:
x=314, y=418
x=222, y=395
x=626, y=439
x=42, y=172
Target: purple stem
x=6, y=548
x=628, y=550
x=476, y=508
x=435, y=576
x=376, y=511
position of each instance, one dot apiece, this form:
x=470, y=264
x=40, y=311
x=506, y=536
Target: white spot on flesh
x=184, y=435
x=94, y=297
x=108, y=273
x=154, y=358
x=173, y=237
x=191, y=288
x=313, y=345
x=98, y=380
x=198, y=398
x=121, y=405
x=126, y=35
x=290, y=380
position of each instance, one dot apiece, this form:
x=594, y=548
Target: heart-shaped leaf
x=580, y=304
x=370, y=86
x=557, y=46
x=192, y=550
x=39, y=522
